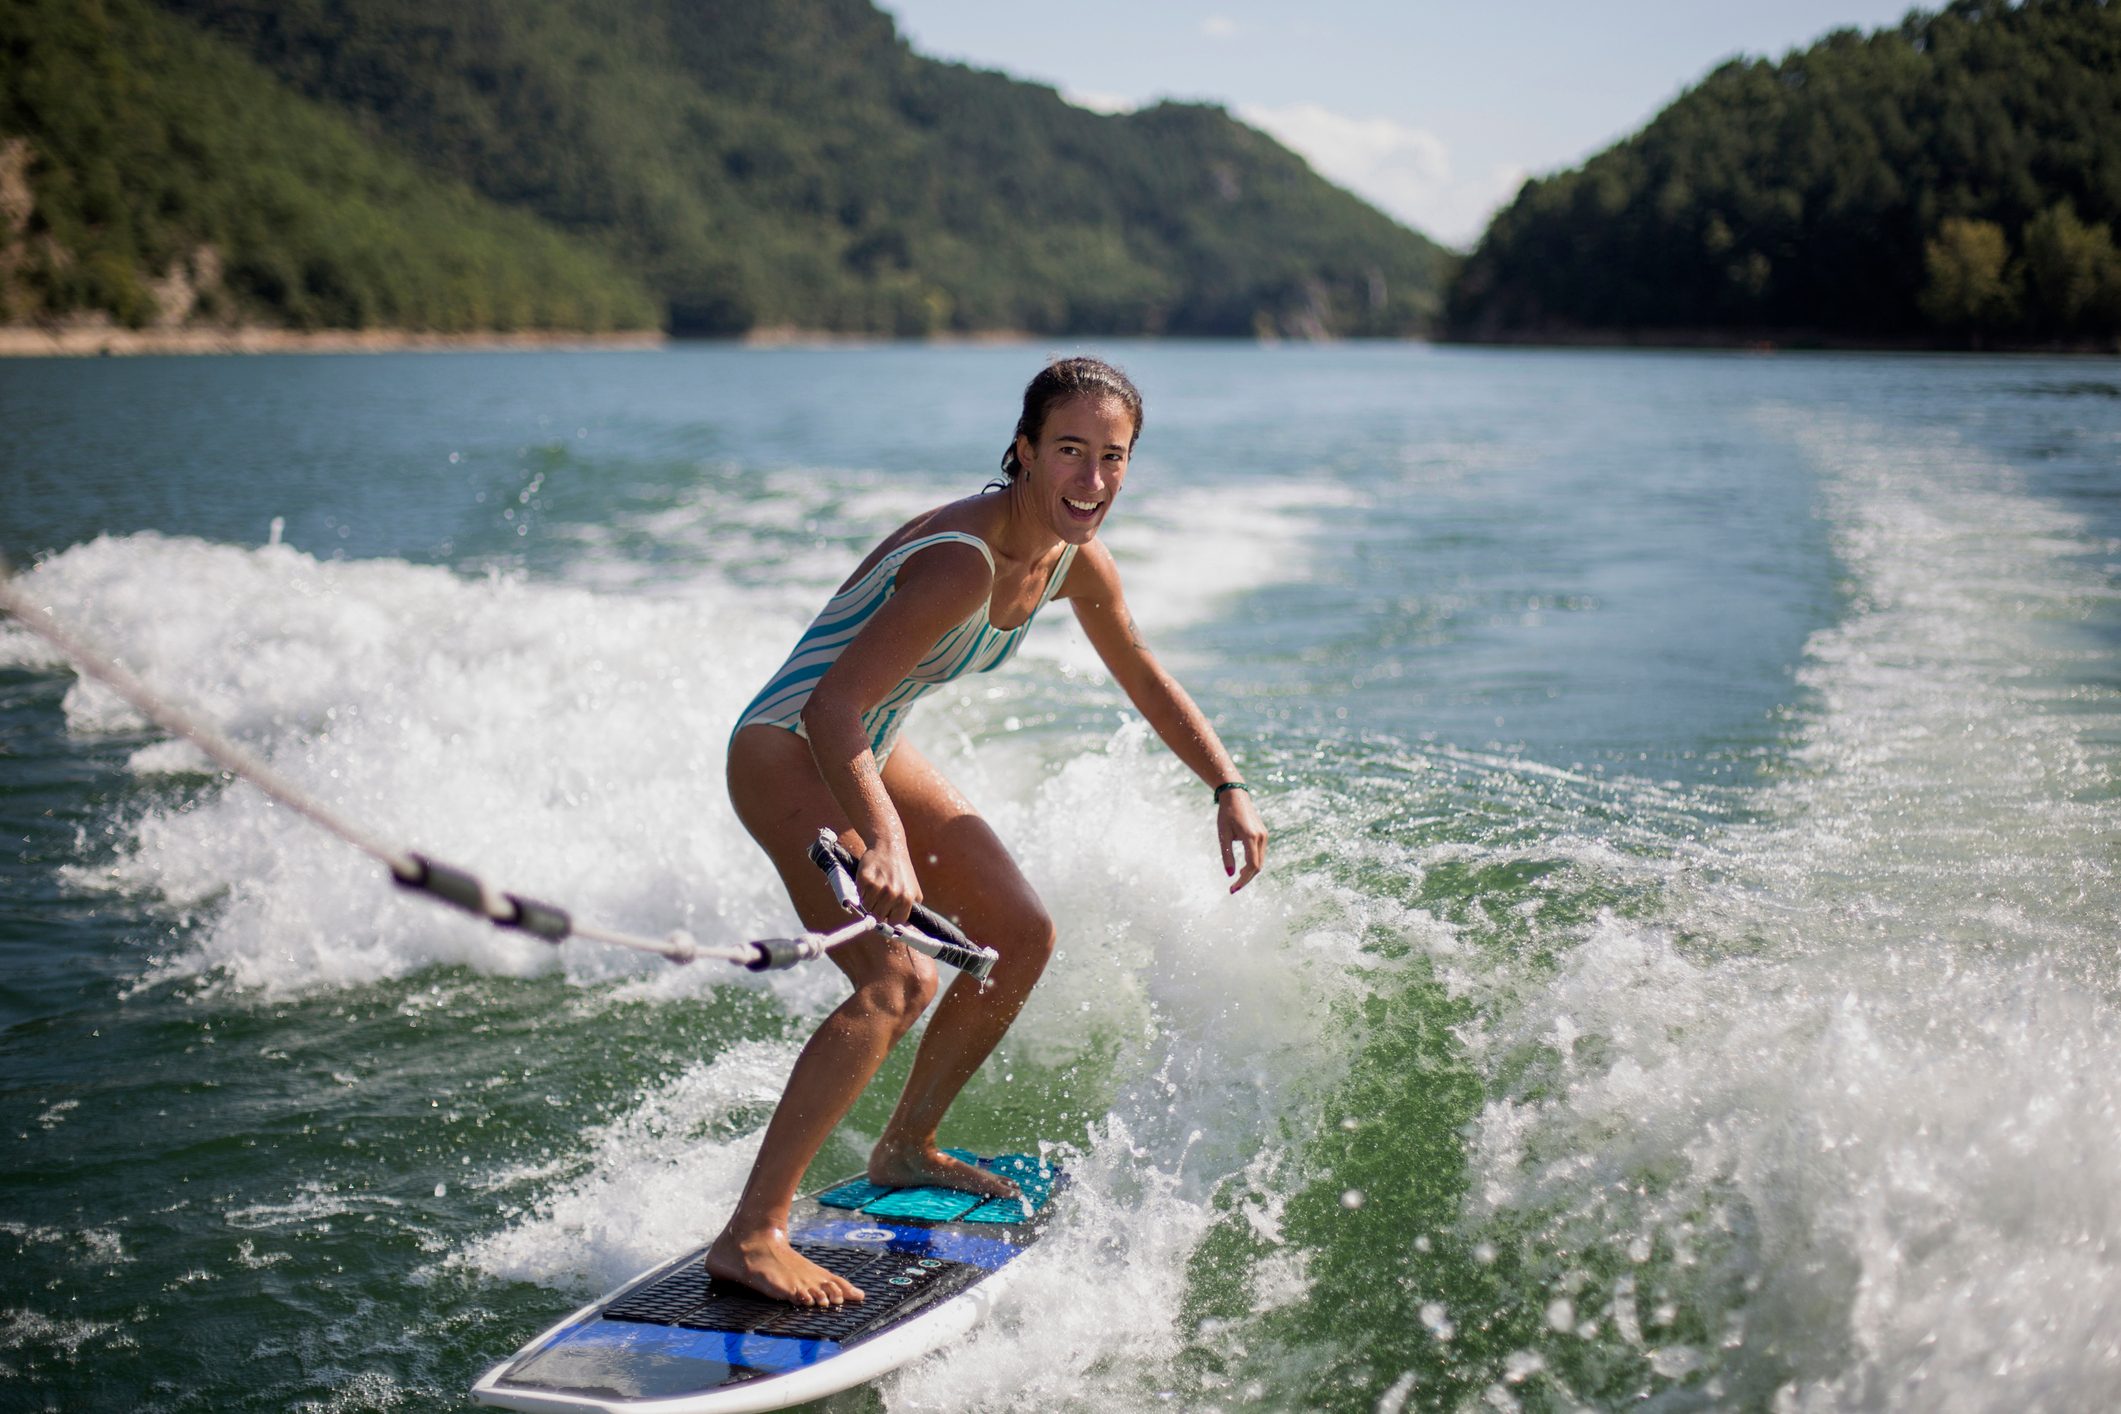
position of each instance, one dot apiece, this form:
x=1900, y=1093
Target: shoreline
x=1767, y=341
x=793, y=336
x=101, y=341
x=31, y=341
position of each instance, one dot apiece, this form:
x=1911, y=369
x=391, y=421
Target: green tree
x=1969, y=284
x=2072, y=273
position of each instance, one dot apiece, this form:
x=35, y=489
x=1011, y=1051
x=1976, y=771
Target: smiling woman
x=820, y=746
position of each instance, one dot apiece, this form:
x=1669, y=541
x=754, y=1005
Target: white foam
x=1213, y=1009
x=68, y=1337
x=1215, y=1012
x=567, y=740
x=1870, y=1131
x=652, y=1182
x=98, y=1246
x=357, y=1391
x=1093, y=1315
x=314, y=1206
x=1186, y=554
x=560, y=742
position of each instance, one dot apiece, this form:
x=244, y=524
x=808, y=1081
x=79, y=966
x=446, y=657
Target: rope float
x=460, y=888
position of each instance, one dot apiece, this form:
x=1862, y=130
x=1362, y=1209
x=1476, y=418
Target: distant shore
x=784, y=336
x=1766, y=341
x=91, y=341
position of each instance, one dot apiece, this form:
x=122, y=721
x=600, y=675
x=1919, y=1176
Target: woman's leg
x=774, y=785
x=967, y=875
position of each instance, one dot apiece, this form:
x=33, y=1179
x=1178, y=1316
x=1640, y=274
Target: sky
x=1433, y=112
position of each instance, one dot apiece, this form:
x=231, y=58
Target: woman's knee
x=1029, y=939
x=900, y=990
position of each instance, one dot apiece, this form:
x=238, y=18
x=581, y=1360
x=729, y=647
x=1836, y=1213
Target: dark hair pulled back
x=1058, y=381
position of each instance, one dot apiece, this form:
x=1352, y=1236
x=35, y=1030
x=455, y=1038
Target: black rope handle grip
x=951, y=944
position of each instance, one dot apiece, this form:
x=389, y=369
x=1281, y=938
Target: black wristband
x=1231, y=785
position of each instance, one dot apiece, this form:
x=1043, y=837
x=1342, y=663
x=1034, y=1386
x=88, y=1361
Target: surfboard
x=931, y=1261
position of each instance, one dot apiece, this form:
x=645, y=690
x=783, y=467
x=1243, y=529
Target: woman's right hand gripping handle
x=881, y=884
x=886, y=882
x=929, y=932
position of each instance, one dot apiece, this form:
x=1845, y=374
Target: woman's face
x=1075, y=470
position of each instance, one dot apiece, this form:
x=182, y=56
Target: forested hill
x=750, y=163
x=1956, y=179
x=152, y=176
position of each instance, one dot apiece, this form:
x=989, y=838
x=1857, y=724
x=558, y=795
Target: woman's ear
x=1023, y=450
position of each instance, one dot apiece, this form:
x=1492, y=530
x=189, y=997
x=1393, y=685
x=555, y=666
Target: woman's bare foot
x=919, y=1166
x=766, y=1263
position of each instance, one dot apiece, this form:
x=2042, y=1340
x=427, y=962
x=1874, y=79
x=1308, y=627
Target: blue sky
x=1435, y=112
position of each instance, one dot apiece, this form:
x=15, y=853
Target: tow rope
x=461, y=888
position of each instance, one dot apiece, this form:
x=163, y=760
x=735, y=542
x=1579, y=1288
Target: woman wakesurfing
x=947, y=593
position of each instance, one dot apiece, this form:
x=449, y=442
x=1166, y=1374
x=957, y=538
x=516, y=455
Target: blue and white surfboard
x=931, y=1262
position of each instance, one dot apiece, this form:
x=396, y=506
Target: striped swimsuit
x=973, y=646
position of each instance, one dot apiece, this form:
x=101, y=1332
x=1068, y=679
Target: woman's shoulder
x=970, y=518
x=965, y=522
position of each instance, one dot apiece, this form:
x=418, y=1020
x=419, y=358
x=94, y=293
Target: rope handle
x=928, y=932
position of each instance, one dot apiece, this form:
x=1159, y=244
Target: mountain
x=1955, y=179
x=756, y=164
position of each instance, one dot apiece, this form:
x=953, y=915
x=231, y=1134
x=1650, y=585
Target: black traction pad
x=894, y=1284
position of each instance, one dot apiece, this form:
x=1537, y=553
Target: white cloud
x=1219, y=27
x=1404, y=171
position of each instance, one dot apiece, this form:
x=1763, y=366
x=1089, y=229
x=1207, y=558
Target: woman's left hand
x=1237, y=825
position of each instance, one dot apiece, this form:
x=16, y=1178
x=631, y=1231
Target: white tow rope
x=460, y=888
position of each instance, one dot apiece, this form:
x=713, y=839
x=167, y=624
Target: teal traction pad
x=1033, y=1177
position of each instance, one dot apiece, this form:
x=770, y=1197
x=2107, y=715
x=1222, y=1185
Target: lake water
x=1686, y=976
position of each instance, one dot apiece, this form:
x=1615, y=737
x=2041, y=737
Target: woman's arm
x=936, y=589
x=1093, y=590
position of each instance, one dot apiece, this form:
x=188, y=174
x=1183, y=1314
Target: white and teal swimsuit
x=975, y=645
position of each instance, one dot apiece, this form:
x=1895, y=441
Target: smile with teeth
x=1083, y=507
